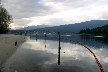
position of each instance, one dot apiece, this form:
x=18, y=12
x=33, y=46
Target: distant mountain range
x=77, y=26
x=34, y=27
x=72, y=27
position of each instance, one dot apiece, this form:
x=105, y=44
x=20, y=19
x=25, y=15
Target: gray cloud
x=56, y=21
x=75, y=3
x=22, y=22
x=44, y=10
x=103, y=14
x=27, y=8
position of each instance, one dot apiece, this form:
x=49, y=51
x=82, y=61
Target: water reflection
x=97, y=39
x=32, y=56
x=75, y=51
x=97, y=42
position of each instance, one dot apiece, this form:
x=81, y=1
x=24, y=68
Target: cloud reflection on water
x=72, y=51
x=32, y=56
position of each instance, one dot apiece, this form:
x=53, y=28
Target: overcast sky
x=55, y=12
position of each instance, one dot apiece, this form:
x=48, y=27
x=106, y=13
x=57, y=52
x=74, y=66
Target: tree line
x=5, y=19
x=95, y=31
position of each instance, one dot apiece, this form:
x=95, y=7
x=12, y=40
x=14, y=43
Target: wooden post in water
x=15, y=43
x=36, y=36
x=59, y=49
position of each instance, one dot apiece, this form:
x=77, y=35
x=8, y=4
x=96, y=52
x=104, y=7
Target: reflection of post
x=30, y=35
x=59, y=50
x=45, y=40
x=36, y=36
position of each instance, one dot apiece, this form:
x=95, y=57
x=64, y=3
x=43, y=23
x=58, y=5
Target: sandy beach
x=7, y=46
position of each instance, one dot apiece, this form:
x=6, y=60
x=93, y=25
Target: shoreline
x=7, y=46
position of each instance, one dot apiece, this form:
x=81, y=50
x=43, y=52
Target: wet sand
x=7, y=46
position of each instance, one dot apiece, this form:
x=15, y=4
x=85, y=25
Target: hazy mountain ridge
x=34, y=27
x=77, y=26
x=69, y=27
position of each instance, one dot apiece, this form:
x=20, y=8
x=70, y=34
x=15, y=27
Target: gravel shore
x=7, y=46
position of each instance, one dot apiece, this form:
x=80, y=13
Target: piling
x=59, y=49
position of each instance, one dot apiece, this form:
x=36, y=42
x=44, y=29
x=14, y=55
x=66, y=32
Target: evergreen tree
x=5, y=19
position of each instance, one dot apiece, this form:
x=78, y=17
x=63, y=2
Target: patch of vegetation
x=95, y=31
x=5, y=19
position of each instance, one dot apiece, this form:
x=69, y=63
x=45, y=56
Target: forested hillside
x=96, y=31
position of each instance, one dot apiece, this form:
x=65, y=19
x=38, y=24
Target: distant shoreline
x=7, y=46
x=90, y=35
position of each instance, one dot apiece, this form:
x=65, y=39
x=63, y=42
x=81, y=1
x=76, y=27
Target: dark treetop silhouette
x=5, y=19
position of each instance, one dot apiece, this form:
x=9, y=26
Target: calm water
x=40, y=56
